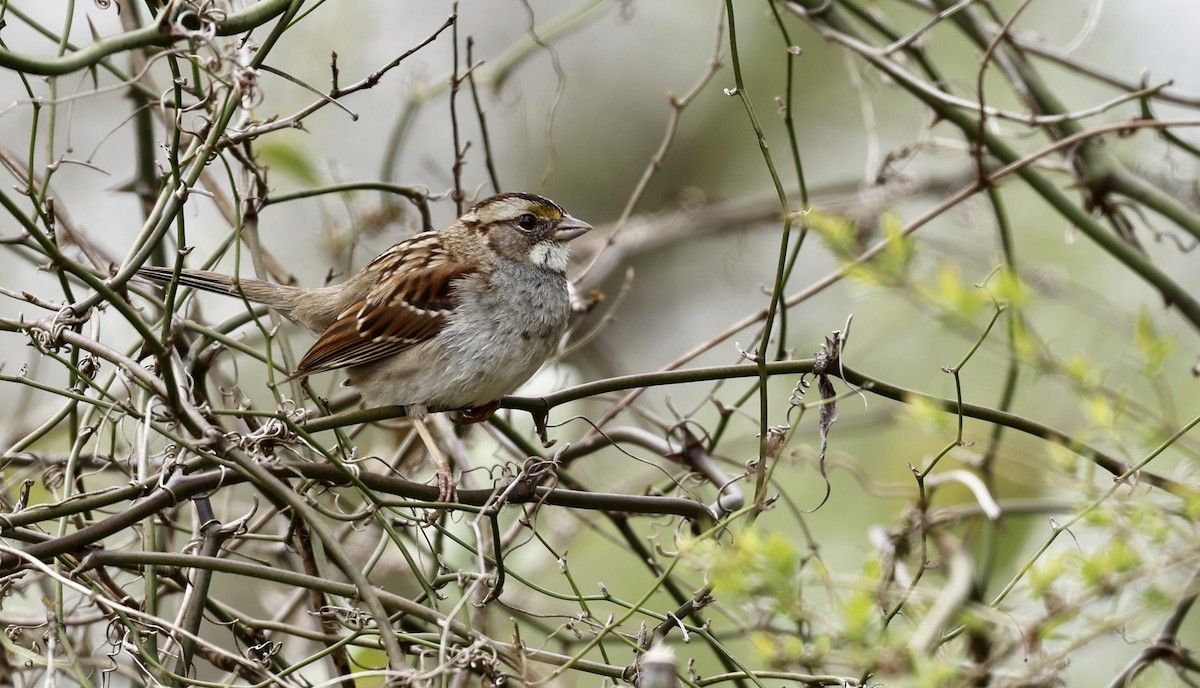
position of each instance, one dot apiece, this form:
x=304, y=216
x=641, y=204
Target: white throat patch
x=550, y=255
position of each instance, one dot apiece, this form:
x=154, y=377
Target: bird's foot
x=447, y=490
x=477, y=414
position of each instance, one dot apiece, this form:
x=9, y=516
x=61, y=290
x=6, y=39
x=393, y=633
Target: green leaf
x=1008, y=288
x=1154, y=347
x=933, y=672
x=290, y=160
x=840, y=234
x=860, y=617
x=952, y=298
x=893, y=263
x=1043, y=575
x=1116, y=558
x=1100, y=411
x=928, y=414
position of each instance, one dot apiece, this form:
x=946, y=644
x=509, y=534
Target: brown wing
x=407, y=306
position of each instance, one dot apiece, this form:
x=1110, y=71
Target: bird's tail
x=275, y=295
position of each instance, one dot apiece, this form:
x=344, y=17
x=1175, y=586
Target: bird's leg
x=445, y=480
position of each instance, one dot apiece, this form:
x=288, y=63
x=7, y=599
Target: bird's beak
x=569, y=228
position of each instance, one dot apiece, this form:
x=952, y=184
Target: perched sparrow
x=451, y=319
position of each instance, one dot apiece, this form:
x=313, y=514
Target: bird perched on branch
x=444, y=320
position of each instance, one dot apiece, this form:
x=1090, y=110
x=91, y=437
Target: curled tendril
x=245, y=81
x=797, y=397
x=245, y=78
x=273, y=432
x=89, y=366
x=356, y=619
x=54, y=476
x=263, y=652
x=48, y=337
x=776, y=437
x=198, y=21
x=296, y=414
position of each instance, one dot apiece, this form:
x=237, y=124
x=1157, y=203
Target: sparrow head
x=526, y=227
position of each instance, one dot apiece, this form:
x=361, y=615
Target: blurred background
x=628, y=114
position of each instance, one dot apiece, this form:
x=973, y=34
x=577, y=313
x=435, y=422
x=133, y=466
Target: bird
x=450, y=319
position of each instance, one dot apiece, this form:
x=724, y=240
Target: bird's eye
x=527, y=221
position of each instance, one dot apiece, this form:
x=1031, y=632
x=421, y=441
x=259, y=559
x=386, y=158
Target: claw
x=478, y=414
x=447, y=490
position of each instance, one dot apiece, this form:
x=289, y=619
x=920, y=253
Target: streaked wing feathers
x=407, y=306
